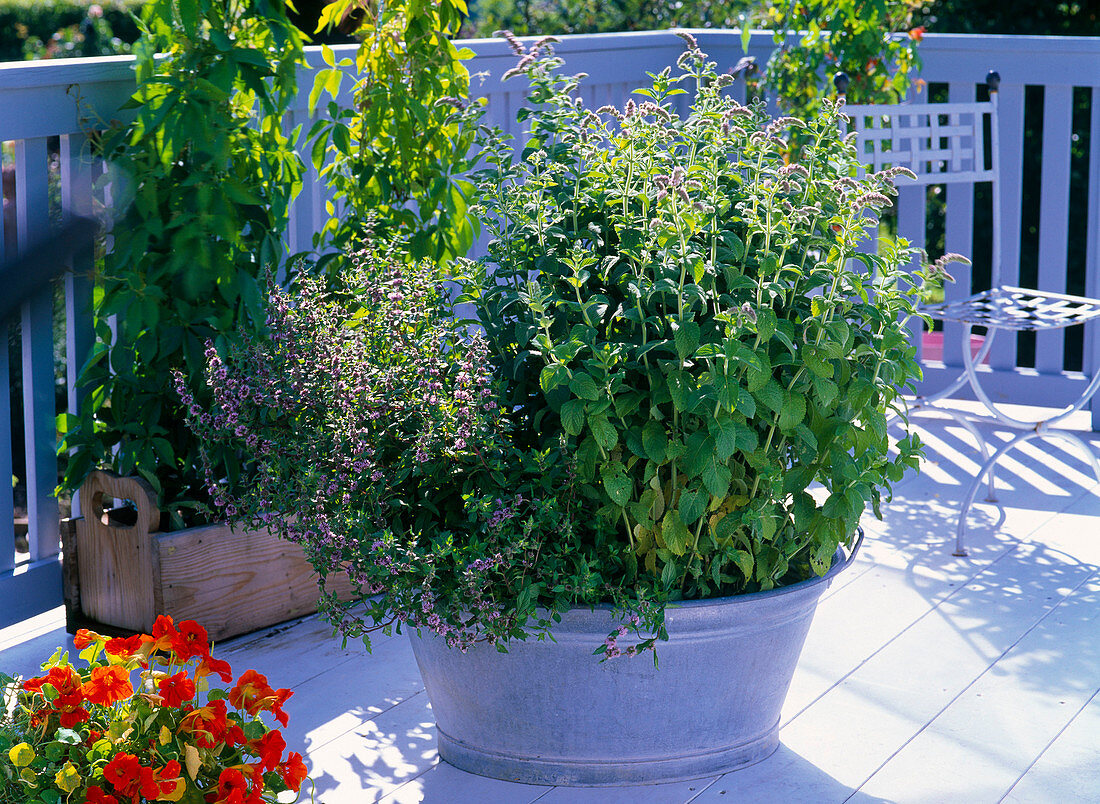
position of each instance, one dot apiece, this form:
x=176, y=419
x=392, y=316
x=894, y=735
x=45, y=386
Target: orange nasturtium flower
x=83, y=638
x=108, y=685
x=208, y=724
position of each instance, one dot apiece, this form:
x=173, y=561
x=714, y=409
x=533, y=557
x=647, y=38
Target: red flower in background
x=251, y=692
x=269, y=749
x=917, y=34
x=210, y=666
x=124, y=774
x=83, y=638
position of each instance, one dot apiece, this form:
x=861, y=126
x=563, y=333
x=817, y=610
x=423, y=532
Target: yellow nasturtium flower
x=22, y=755
x=68, y=778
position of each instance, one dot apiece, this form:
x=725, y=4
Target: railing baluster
x=911, y=204
x=1092, y=249
x=958, y=235
x=1011, y=117
x=39, y=409
x=7, y=498
x=1054, y=215
x=76, y=199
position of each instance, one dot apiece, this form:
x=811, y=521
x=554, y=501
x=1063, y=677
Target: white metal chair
x=944, y=143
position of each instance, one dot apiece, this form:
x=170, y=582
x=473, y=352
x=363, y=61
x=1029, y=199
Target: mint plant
x=694, y=315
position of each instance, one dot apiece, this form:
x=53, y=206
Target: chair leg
x=987, y=467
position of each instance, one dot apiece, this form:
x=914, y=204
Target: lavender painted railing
x=42, y=100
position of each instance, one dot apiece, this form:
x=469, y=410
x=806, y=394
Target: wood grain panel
x=116, y=561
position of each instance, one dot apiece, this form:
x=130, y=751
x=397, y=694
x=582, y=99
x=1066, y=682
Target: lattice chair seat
x=1020, y=309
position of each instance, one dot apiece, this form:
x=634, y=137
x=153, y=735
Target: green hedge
x=22, y=19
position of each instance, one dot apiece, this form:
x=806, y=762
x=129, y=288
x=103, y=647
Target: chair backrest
x=940, y=142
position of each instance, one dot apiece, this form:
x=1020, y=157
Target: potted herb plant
x=659, y=433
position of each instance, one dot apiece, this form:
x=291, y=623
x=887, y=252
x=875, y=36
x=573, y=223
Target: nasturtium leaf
x=572, y=416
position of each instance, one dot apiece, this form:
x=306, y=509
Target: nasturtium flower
x=124, y=647
x=95, y=795
x=293, y=771
x=191, y=640
x=108, y=685
x=83, y=638
x=176, y=689
x=251, y=692
x=232, y=787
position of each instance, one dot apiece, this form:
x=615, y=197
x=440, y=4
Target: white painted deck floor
x=926, y=678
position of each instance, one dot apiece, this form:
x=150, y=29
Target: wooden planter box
x=119, y=577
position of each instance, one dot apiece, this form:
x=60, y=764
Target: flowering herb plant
x=676, y=386
x=692, y=312
x=89, y=734
x=370, y=412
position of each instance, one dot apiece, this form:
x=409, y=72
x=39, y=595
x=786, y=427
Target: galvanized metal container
x=550, y=713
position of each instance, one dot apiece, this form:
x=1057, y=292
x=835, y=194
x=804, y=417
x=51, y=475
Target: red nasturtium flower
x=209, y=666
x=190, y=641
x=251, y=692
x=176, y=689
x=207, y=724
x=293, y=771
x=162, y=633
x=124, y=647
x=917, y=34
x=269, y=748
x=234, y=788
x=123, y=773
x=108, y=685
x=97, y=796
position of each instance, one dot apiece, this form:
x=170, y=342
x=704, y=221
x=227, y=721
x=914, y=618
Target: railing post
x=33, y=224
x=76, y=199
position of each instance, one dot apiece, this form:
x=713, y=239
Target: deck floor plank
x=997, y=728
